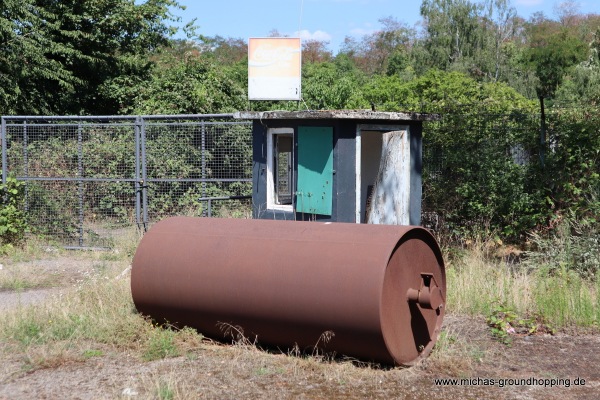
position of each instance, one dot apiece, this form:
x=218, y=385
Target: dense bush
x=484, y=168
x=480, y=173
x=572, y=171
x=572, y=247
x=480, y=157
x=12, y=218
x=485, y=171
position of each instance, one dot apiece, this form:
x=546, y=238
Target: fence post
x=80, y=182
x=542, y=132
x=138, y=182
x=26, y=166
x=203, y=155
x=3, y=138
x=144, y=175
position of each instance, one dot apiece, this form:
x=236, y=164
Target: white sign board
x=274, y=68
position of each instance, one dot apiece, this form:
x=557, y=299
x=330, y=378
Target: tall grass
x=567, y=299
x=478, y=282
x=98, y=312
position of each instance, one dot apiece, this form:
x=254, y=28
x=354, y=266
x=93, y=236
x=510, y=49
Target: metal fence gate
x=88, y=178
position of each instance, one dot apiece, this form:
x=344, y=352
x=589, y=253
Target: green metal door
x=314, y=194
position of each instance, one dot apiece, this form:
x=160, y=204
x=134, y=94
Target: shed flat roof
x=337, y=114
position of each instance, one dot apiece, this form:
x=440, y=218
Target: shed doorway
x=369, y=145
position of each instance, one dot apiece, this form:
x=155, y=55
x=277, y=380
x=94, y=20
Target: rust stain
x=378, y=290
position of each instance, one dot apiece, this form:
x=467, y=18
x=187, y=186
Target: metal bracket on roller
x=429, y=295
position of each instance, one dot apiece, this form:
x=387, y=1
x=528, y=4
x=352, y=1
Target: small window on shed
x=280, y=167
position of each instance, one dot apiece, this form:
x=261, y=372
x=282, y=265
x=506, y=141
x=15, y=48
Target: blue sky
x=329, y=20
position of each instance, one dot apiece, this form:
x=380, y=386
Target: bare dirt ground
x=219, y=371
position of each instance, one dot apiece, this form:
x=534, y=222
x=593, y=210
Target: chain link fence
x=87, y=178
x=480, y=170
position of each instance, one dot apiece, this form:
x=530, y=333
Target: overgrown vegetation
x=98, y=312
x=13, y=224
x=537, y=296
x=477, y=63
x=504, y=322
x=177, y=154
x=95, y=323
x=572, y=248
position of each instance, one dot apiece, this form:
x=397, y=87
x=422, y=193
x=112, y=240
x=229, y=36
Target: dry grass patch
x=452, y=356
x=25, y=277
x=99, y=310
x=37, y=264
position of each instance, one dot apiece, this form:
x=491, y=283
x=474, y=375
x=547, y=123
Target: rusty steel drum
x=372, y=292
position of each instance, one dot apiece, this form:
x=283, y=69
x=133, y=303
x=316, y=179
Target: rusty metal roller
x=378, y=292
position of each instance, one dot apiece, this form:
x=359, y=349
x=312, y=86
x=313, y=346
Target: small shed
x=323, y=165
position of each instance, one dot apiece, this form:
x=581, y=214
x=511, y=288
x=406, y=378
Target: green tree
x=389, y=93
x=112, y=38
x=32, y=79
x=231, y=54
x=453, y=31
x=553, y=50
x=324, y=87
x=582, y=85
x=444, y=92
x=386, y=50
x=315, y=51
x=226, y=51
x=500, y=24
x=193, y=84
x=55, y=56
